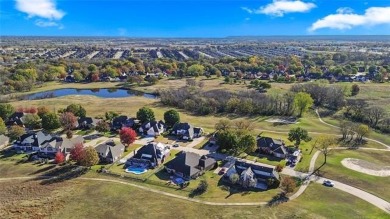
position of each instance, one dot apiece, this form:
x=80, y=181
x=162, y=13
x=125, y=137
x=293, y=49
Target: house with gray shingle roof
x=152, y=154
x=189, y=165
x=253, y=175
x=152, y=128
x=186, y=131
x=110, y=151
x=272, y=146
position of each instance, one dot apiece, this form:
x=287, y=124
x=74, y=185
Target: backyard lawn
x=81, y=198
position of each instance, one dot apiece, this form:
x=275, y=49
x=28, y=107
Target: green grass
x=376, y=185
x=12, y=165
x=373, y=134
x=119, y=168
x=88, y=199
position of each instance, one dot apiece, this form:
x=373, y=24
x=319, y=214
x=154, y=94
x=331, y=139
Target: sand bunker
x=366, y=167
x=286, y=120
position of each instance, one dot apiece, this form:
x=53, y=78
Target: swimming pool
x=136, y=170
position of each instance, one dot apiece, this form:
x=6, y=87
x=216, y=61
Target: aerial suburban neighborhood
x=194, y=109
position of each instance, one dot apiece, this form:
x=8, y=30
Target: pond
x=99, y=92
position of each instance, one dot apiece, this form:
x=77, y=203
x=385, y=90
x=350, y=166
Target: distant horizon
x=203, y=37
x=194, y=18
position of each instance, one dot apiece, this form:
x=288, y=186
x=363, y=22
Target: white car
x=328, y=183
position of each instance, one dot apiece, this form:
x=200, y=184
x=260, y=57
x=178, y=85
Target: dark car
x=222, y=171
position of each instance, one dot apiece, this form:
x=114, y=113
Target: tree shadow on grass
x=43, y=170
x=234, y=189
x=278, y=199
x=62, y=173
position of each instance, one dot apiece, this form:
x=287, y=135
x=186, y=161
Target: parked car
x=176, y=145
x=222, y=171
x=328, y=183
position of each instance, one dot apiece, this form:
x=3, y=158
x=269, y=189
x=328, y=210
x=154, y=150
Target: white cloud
x=347, y=19
x=280, y=7
x=40, y=8
x=344, y=10
x=42, y=23
x=250, y=11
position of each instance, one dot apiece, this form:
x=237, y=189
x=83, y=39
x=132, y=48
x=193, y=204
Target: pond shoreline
x=117, y=92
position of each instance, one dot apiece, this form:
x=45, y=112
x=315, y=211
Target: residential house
x=68, y=144
x=109, y=151
x=152, y=128
x=123, y=121
x=253, y=175
x=186, y=131
x=151, y=155
x=271, y=146
x=87, y=123
x=50, y=146
x=4, y=140
x=70, y=78
x=32, y=141
x=189, y=165
x=16, y=119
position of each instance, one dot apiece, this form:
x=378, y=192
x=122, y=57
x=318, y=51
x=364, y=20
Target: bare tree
x=374, y=114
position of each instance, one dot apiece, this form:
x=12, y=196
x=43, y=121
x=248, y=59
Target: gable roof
x=70, y=143
x=16, y=119
x=38, y=139
x=156, y=126
x=268, y=142
x=156, y=151
x=188, y=163
x=258, y=170
x=116, y=150
x=189, y=129
x=110, y=149
x=123, y=120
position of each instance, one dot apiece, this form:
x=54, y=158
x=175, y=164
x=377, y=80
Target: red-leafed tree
x=60, y=158
x=32, y=110
x=127, y=136
x=95, y=77
x=68, y=120
x=77, y=152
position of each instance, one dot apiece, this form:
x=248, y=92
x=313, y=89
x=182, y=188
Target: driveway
x=145, y=140
x=195, y=142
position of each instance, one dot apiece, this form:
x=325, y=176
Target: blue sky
x=190, y=18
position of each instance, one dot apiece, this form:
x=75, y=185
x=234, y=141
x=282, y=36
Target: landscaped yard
x=81, y=198
x=119, y=168
x=376, y=185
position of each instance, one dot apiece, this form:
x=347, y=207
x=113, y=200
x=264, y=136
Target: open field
x=82, y=199
x=208, y=84
x=333, y=169
x=79, y=199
